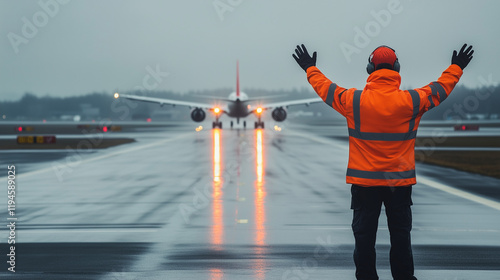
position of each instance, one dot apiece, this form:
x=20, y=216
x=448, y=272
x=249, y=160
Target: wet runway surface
x=232, y=204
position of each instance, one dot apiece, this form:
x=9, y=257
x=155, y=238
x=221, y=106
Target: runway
x=232, y=204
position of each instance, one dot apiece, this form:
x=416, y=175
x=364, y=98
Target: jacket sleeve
x=436, y=92
x=330, y=92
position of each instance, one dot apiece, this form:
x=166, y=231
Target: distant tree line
x=463, y=103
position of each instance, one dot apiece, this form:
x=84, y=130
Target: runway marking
x=40, y=231
x=460, y=193
x=133, y=149
x=451, y=190
x=455, y=230
x=31, y=151
x=472, y=149
x=384, y=228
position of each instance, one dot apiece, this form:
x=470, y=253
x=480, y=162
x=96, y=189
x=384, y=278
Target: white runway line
x=420, y=179
x=456, y=230
x=384, y=228
x=472, y=149
x=66, y=231
x=31, y=151
x=459, y=193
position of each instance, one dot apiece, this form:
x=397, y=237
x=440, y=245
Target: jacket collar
x=384, y=78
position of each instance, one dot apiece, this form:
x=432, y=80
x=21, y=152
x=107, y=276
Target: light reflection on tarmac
x=232, y=204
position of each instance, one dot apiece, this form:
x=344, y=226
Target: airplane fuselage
x=237, y=109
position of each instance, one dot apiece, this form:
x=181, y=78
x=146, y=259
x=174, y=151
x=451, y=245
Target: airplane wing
x=292, y=103
x=163, y=101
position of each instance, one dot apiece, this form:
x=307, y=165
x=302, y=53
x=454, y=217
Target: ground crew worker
x=382, y=121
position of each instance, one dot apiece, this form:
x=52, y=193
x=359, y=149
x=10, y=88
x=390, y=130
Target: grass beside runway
x=84, y=143
x=481, y=162
x=459, y=141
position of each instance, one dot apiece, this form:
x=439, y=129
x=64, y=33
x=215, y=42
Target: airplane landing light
x=116, y=95
x=259, y=110
x=199, y=128
x=277, y=128
x=216, y=110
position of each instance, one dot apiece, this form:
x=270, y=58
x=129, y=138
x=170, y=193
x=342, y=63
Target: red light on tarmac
x=20, y=129
x=148, y=119
x=105, y=129
x=466, y=127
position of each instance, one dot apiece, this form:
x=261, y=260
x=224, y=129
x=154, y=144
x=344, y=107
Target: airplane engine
x=279, y=114
x=198, y=115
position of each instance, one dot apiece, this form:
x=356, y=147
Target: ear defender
x=396, y=66
x=370, y=67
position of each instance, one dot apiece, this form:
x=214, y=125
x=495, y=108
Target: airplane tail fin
x=237, y=79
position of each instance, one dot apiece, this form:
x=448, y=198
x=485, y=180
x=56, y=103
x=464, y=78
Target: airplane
x=237, y=106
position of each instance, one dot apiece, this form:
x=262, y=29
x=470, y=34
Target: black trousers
x=366, y=203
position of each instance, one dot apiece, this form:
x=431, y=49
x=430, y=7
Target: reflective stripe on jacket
x=382, y=122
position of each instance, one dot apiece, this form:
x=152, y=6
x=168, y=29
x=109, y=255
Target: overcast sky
x=82, y=46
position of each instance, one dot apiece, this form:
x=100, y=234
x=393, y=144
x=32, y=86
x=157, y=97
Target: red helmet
x=383, y=57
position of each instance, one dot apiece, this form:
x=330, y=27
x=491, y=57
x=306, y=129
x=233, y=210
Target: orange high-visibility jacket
x=382, y=121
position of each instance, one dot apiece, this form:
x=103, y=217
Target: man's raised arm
x=330, y=92
x=436, y=92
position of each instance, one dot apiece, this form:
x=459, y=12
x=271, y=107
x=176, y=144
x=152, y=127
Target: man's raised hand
x=303, y=58
x=463, y=57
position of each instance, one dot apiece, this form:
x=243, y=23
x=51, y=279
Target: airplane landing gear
x=217, y=124
x=244, y=124
x=259, y=124
x=231, y=124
